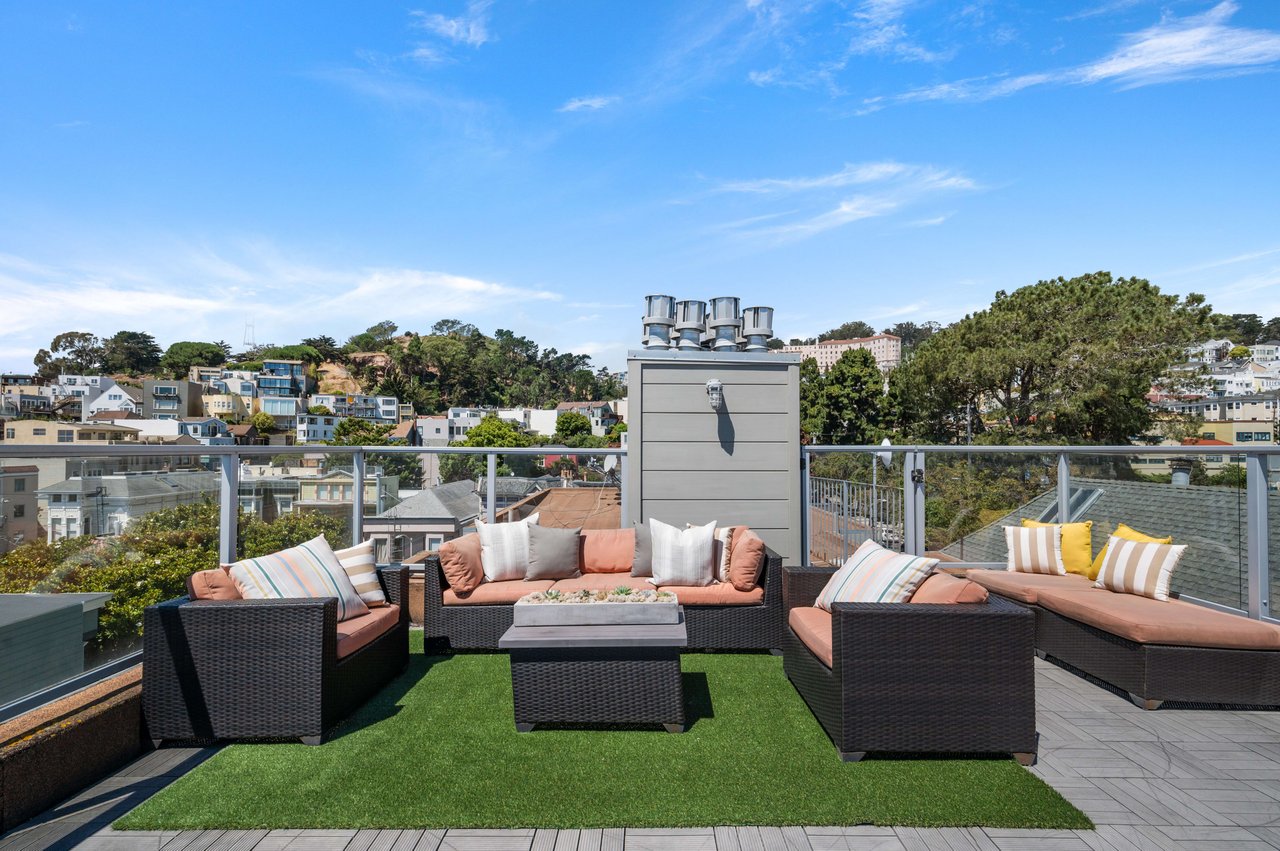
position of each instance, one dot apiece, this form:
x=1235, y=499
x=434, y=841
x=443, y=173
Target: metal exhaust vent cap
x=659, y=317
x=725, y=320
x=691, y=322
x=757, y=328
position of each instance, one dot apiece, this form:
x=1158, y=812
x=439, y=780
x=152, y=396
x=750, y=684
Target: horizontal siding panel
x=713, y=456
x=708, y=428
x=738, y=398
x=701, y=374
x=719, y=485
x=756, y=513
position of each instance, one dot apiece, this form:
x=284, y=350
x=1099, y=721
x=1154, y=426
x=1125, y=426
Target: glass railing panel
x=853, y=497
x=289, y=497
x=970, y=497
x=86, y=544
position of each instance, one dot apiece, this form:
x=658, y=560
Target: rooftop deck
x=1168, y=779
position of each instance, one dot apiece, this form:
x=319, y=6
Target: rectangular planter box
x=594, y=614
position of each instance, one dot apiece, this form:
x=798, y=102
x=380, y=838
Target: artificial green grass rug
x=438, y=748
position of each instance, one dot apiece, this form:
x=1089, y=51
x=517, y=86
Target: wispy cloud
x=930, y=222
x=879, y=29
x=1197, y=46
x=470, y=28
x=884, y=188
x=1102, y=10
x=589, y=103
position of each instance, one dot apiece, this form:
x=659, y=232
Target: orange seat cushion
x=746, y=558
x=1026, y=587
x=813, y=627
x=215, y=584
x=601, y=582
x=505, y=592
x=720, y=594
x=357, y=632
x=945, y=588
x=1149, y=621
x=460, y=561
x=607, y=550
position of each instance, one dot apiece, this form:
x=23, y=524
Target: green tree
x=852, y=399
x=131, y=353
x=72, y=353
x=1270, y=331
x=1241, y=352
x=812, y=413
x=848, y=331
x=912, y=334
x=302, y=352
x=180, y=357
x=263, y=422
x=614, y=435
x=375, y=338
x=491, y=431
x=572, y=426
x=319, y=411
x=1062, y=360
x=357, y=432
x=325, y=345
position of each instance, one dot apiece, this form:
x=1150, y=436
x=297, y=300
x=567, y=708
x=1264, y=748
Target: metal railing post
x=228, y=508
x=806, y=554
x=913, y=502
x=491, y=488
x=622, y=482
x=846, y=510
x=1259, y=564
x=357, y=497
x=1064, y=489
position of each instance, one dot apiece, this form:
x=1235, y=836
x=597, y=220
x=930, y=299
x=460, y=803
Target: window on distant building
x=1213, y=459
x=57, y=497
x=66, y=435
x=1261, y=435
x=9, y=434
x=19, y=511
x=1208, y=435
x=1236, y=459
x=1244, y=436
x=38, y=432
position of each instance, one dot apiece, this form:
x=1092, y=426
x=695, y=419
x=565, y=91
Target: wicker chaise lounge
x=710, y=627
x=917, y=678
x=253, y=669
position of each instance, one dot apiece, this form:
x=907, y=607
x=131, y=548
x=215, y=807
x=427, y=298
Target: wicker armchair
x=710, y=627
x=917, y=678
x=256, y=669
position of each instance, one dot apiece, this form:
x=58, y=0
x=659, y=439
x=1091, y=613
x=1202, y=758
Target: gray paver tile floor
x=1170, y=779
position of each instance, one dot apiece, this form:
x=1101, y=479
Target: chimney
x=1180, y=470
x=724, y=322
x=691, y=322
x=660, y=316
x=757, y=328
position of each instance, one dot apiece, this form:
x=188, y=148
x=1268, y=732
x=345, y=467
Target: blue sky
x=540, y=166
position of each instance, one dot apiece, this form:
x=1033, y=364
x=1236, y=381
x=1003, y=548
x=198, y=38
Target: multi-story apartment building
x=1262, y=407
x=204, y=374
x=433, y=429
x=378, y=409
x=317, y=428
x=1267, y=352
x=424, y=521
x=1243, y=379
x=171, y=399
x=26, y=400
x=45, y=433
x=206, y=431
x=1210, y=351
x=601, y=414
x=19, y=509
x=230, y=407
x=885, y=348
x=462, y=420
x=283, y=378
x=106, y=505
x=285, y=410
x=112, y=397
x=333, y=492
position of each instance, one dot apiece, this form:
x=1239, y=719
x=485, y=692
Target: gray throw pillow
x=553, y=553
x=642, y=564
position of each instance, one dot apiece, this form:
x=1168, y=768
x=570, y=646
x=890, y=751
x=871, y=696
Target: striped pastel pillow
x=307, y=570
x=874, y=574
x=361, y=569
x=1136, y=567
x=1035, y=549
x=504, y=548
x=683, y=556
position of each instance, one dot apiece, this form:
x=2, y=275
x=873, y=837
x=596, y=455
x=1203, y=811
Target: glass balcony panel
x=970, y=497
x=853, y=497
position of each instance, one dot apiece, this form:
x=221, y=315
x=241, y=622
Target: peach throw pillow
x=460, y=561
x=945, y=588
x=746, y=558
x=212, y=584
x=608, y=550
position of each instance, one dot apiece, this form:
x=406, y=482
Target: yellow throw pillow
x=1123, y=531
x=1077, y=545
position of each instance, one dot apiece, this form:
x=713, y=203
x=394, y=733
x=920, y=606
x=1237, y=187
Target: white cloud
x=470, y=28
x=1197, y=46
x=591, y=103
x=879, y=30
x=884, y=188
x=930, y=222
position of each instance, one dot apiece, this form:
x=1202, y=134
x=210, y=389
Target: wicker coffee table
x=614, y=674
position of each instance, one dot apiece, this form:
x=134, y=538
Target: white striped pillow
x=874, y=574
x=682, y=557
x=1035, y=549
x=722, y=540
x=1136, y=567
x=504, y=548
x=361, y=569
x=307, y=570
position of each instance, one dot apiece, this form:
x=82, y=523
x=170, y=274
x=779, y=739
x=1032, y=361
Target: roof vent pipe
x=659, y=317
x=757, y=328
x=724, y=322
x=691, y=322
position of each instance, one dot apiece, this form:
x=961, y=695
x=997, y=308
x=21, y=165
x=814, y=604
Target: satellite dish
x=610, y=462
x=886, y=458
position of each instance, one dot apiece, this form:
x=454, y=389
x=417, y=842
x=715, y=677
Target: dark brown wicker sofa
x=256, y=669
x=1156, y=651
x=711, y=625
x=916, y=678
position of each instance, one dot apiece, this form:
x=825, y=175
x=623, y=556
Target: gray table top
x=604, y=635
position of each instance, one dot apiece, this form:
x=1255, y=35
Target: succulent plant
x=622, y=591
